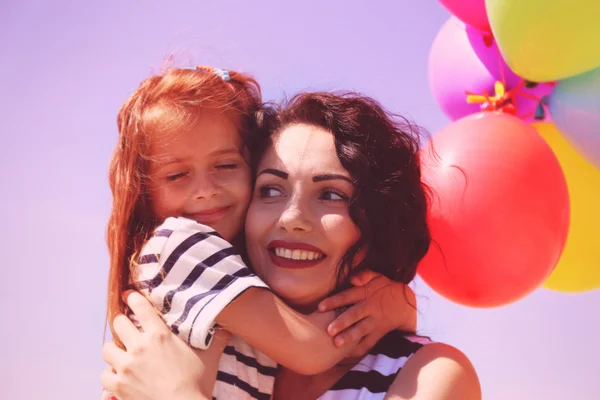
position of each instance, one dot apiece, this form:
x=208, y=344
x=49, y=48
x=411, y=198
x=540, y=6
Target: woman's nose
x=295, y=219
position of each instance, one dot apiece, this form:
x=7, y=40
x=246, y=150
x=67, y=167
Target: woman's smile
x=294, y=254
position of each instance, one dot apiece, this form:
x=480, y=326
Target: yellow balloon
x=578, y=269
x=547, y=40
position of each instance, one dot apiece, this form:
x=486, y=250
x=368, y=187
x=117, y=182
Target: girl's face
x=201, y=174
x=298, y=226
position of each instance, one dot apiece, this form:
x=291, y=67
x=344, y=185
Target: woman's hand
x=378, y=306
x=156, y=364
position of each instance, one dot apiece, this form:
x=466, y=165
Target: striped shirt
x=373, y=375
x=190, y=274
x=245, y=373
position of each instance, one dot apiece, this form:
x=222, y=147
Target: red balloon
x=499, y=212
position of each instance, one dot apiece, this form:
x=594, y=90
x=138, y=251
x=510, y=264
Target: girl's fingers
x=355, y=294
x=345, y=298
x=145, y=313
x=355, y=332
x=363, y=277
x=348, y=318
x=125, y=330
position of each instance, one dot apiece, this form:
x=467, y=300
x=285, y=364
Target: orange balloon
x=499, y=215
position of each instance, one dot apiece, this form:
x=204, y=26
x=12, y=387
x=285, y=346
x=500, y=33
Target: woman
x=341, y=178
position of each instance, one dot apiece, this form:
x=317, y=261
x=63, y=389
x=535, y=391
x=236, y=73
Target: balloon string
x=500, y=64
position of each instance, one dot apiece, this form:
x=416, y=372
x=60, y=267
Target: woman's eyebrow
x=276, y=172
x=329, y=177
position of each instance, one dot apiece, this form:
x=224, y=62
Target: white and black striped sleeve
x=190, y=274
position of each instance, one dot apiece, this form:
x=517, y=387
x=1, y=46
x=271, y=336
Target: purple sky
x=66, y=68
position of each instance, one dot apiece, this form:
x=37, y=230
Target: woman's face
x=298, y=226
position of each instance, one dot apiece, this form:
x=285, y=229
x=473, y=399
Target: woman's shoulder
x=437, y=371
x=377, y=370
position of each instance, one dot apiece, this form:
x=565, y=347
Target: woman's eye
x=269, y=191
x=331, y=195
x=175, y=177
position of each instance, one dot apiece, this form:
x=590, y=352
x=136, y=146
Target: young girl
x=182, y=164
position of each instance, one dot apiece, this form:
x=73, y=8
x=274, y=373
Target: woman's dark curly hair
x=380, y=150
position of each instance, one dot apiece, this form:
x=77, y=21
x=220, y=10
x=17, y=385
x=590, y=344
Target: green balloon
x=547, y=40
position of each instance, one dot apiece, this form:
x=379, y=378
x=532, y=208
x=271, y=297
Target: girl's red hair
x=162, y=103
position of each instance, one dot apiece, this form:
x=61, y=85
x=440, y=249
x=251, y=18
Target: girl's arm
x=378, y=305
x=296, y=341
x=194, y=278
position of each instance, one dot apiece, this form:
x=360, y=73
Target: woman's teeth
x=298, y=254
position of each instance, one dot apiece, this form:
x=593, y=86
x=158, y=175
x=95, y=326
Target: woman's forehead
x=304, y=136
x=303, y=148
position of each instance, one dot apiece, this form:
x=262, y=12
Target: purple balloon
x=464, y=59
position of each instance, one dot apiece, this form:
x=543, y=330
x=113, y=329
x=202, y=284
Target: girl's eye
x=227, y=166
x=269, y=191
x=331, y=195
x=175, y=177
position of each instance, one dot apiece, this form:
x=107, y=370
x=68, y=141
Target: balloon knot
x=503, y=100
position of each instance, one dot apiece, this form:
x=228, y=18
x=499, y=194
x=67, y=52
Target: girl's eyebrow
x=219, y=152
x=228, y=150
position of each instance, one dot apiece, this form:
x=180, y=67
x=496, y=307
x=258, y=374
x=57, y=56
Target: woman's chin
x=304, y=302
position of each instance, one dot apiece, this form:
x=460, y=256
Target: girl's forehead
x=209, y=133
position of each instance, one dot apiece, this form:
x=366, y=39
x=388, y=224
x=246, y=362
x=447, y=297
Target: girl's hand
x=156, y=364
x=378, y=306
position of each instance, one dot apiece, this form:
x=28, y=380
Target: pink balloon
x=472, y=12
x=464, y=59
x=500, y=211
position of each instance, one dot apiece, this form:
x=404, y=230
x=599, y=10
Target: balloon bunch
x=516, y=177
